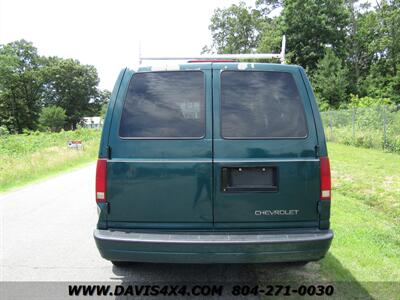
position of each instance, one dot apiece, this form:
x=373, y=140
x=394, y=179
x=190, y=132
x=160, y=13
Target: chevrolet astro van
x=213, y=162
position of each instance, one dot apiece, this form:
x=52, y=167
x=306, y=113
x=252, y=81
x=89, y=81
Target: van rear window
x=256, y=104
x=164, y=105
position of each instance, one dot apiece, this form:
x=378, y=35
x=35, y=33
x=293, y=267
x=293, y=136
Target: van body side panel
x=102, y=207
x=153, y=181
x=294, y=199
x=323, y=151
x=324, y=207
x=107, y=121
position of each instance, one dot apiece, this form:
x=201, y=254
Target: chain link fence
x=372, y=127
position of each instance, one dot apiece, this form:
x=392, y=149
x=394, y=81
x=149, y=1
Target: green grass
x=370, y=176
x=365, y=219
x=28, y=158
x=364, y=259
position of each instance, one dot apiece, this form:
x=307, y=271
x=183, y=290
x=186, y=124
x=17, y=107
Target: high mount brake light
x=325, y=177
x=101, y=180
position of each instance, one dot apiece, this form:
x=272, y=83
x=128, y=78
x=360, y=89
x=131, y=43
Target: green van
x=213, y=162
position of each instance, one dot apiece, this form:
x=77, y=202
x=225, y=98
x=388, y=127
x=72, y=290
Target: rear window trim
x=260, y=138
x=166, y=138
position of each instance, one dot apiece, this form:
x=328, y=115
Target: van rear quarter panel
x=109, y=114
x=323, y=150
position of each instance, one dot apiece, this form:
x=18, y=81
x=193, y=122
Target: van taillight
x=101, y=180
x=325, y=174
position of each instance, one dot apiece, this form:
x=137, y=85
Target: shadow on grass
x=348, y=287
x=327, y=271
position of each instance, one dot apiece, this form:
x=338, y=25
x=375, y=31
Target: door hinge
x=316, y=148
x=108, y=152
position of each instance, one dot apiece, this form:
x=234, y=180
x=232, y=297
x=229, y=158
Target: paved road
x=46, y=234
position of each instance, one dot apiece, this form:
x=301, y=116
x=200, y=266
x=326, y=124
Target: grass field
x=27, y=158
x=365, y=218
x=364, y=259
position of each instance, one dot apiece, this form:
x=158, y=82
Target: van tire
x=120, y=264
x=298, y=263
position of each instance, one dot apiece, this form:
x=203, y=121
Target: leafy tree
x=234, y=30
x=361, y=46
x=363, y=102
x=267, y=6
x=4, y=131
x=271, y=28
x=29, y=82
x=330, y=81
x=271, y=35
x=389, y=14
x=106, y=94
x=20, y=85
x=101, y=102
x=383, y=80
x=53, y=118
x=103, y=111
x=73, y=87
x=311, y=25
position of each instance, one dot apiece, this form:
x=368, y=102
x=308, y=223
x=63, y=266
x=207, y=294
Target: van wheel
x=298, y=263
x=120, y=264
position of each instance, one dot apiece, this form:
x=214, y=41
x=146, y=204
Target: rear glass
x=261, y=105
x=164, y=105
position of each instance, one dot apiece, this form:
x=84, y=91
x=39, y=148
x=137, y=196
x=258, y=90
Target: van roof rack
x=211, y=57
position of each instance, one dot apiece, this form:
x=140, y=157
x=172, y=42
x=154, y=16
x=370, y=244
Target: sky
x=107, y=34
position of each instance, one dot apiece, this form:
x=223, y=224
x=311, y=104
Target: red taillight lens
x=101, y=180
x=325, y=174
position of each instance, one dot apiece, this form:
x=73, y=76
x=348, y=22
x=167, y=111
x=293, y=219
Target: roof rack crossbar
x=280, y=55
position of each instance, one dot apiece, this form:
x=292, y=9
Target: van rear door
x=265, y=167
x=160, y=171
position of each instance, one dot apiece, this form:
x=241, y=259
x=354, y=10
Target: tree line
x=41, y=93
x=349, y=48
